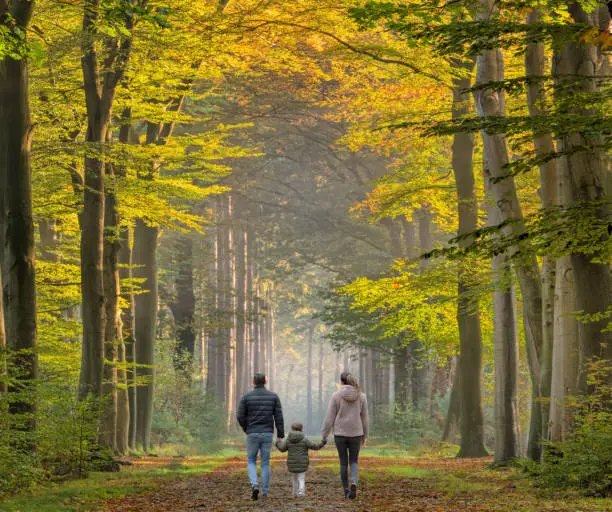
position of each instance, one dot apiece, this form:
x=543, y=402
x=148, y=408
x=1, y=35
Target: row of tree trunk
x=241, y=339
x=558, y=346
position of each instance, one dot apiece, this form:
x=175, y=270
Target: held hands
x=323, y=442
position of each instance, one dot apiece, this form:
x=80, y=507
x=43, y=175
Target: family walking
x=260, y=411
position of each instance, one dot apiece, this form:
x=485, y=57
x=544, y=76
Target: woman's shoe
x=353, y=492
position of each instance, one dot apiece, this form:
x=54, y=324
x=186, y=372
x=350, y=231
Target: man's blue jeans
x=259, y=443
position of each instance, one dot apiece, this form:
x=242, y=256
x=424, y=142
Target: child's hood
x=295, y=437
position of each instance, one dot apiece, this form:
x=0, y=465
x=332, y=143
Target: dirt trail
x=386, y=484
x=227, y=489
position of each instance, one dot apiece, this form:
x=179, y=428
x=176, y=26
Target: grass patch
x=410, y=472
x=86, y=494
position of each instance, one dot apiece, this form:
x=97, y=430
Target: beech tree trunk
x=544, y=146
x=17, y=225
x=320, y=406
x=505, y=341
x=126, y=135
x=213, y=308
x=112, y=337
x=230, y=263
x=310, y=342
x=183, y=303
x=145, y=317
x=490, y=103
x=565, y=351
x=241, y=311
x=3, y=374
x=453, y=416
x=420, y=364
x=586, y=172
x=222, y=330
x=465, y=401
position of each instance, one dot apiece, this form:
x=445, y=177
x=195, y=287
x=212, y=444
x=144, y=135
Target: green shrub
x=183, y=413
x=584, y=460
x=406, y=426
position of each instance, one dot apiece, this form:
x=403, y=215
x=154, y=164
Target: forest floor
x=387, y=482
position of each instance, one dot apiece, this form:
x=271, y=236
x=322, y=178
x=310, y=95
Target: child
x=297, y=444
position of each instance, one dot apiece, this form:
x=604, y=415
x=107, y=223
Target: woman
x=347, y=415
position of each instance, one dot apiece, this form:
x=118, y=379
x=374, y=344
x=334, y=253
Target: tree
x=16, y=219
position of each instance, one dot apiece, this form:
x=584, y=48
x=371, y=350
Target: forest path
x=416, y=485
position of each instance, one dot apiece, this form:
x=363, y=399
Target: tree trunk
x=222, y=330
x=3, y=374
x=401, y=360
x=129, y=340
x=272, y=334
x=465, y=404
x=232, y=311
x=145, y=317
x=565, y=351
x=320, y=406
x=506, y=369
x=585, y=173
x=544, y=146
x=491, y=103
x=128, y=347
x=505, y=341
x=213, y=309
x=112, y=337
x=183, y=303
x=241, y=331
x=420, y=364
x=17, y=234
x=309, y=419
x=453, y=416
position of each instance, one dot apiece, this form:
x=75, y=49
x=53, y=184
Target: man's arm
x=241, y=414
x=332, y=412
x=278, y=419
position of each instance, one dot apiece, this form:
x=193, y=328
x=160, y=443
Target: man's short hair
x=259, y=379
x=297, y=426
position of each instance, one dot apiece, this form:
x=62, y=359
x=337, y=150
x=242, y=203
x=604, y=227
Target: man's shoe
x=255, y=494
x=353, y=492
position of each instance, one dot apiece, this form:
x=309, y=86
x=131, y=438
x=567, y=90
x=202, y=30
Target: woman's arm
x=332, y=411
x=364, y=417
x=314, y=446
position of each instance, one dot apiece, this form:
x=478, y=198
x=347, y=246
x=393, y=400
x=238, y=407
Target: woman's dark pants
x=348, y=451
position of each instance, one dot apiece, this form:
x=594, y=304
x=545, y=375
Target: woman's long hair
x=348, y=379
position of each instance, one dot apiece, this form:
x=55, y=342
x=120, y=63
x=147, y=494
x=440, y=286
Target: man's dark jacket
x=259, y=410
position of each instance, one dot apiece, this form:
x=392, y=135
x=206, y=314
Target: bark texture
x=585, y=173
x=535, y=67
x=145, y=316
x=466, y=399
x=16, y=222
x=490, y=103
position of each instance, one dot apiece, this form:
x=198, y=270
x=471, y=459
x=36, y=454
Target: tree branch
x=355, y=49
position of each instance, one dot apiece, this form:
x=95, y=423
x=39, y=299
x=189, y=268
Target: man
x=258, y=412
